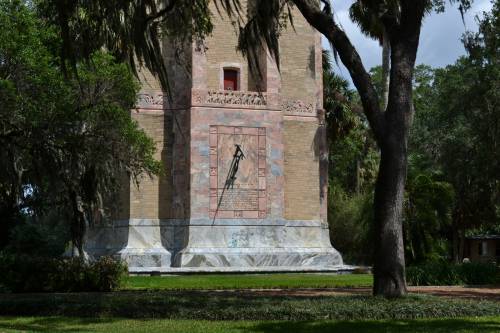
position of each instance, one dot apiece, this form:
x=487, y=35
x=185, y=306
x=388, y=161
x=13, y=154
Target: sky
x=440, y=43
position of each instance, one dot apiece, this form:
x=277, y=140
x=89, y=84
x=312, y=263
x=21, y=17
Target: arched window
x=231, y=79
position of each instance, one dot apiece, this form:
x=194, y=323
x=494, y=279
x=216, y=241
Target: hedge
x=23, y=273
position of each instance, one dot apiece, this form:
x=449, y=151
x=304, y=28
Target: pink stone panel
x=267, y=126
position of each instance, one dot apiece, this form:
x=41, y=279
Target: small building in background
x=483, y=248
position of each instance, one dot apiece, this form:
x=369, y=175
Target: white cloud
x=440, y=43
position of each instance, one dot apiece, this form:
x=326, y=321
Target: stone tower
x=244, y=182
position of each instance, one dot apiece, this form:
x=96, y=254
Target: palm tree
x=369, y=21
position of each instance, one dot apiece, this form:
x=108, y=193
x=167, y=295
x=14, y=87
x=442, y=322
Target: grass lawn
x=199, y=305
x=246, y=281
x=171, y=304
x=63, y=324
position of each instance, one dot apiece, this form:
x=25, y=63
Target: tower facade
x=244, y=158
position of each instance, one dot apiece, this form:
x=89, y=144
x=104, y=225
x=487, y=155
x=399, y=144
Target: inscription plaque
x=237, y=172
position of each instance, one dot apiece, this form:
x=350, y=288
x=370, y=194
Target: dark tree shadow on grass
x=52, y=324
x=396, y=326
x=68, y=324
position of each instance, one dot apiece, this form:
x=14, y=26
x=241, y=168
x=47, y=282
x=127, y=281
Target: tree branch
x=349, y=56
x=162, y=12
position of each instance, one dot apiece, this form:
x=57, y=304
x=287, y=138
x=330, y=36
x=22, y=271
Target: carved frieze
x=151, y=101
x=297, y=108
x=230, y=98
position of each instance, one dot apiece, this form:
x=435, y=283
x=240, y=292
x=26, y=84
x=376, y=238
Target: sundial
x=237, y=172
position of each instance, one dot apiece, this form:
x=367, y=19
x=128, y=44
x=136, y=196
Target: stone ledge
x=217, y=223
x=338, y=269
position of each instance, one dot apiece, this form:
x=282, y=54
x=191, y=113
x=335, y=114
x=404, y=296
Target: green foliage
x=220, y=306
x=24, y=273
x=247, y=281
x=427, y=219
x=130, y=30
x=434, y=273
x=442, y=325
x=478, y=273
x=352, y=170
x=338, y=99
x=455, y=136
x=443, y=273
x=351, y=226
x=47, y=238
x=68, y=141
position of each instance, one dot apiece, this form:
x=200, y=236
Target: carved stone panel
x=230, y=99
x=237, y=172
x=151, y=100
x=297, y=108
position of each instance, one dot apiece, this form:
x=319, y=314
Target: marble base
x=157, y=245
x=260, y=257
x=151, y=259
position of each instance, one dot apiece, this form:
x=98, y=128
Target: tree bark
x=456, y=235
x=386, y=55
x=390, y=128
x=389, y=261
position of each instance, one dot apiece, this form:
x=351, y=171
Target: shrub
x=480, y=273
x=24, y=273
x=223, y=306
x=433, y=273
x=350, y=220
x=439, y=273
x=46, y=238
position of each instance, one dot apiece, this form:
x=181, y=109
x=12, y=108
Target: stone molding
x=231, y=99
x=210, y=222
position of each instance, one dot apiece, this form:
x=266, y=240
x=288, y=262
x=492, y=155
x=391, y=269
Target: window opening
x=230, y=79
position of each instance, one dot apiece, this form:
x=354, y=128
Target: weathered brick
x=180, y=191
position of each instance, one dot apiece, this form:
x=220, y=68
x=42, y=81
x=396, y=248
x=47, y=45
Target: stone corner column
x=273, y=81
x=144, y=250
x=318, y=61
x=199, y=66
x=323, y=166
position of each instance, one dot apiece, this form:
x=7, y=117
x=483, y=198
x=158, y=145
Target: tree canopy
x=67, y=142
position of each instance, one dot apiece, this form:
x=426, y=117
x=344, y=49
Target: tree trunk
x=461, y=245
x=78, y=225
x=389, y=261
x=455, y=236
x=386, y=54
x=390, y=128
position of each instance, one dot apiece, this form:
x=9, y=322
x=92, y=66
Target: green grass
x=246, y=281
x=62, y=324
x=230, y=306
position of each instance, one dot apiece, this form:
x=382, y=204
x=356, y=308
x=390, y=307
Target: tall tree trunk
x=78, y=225
x=389, y=261
x=390, y=127
x=461, y=244
x=456, y=235
x=386, y=55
